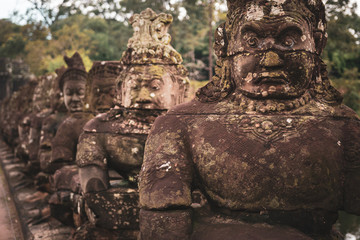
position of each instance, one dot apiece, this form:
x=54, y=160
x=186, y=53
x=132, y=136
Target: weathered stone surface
x=267, y=141
x=90, y=232
x=175, y=224
x=116, y=208
x=65, y=141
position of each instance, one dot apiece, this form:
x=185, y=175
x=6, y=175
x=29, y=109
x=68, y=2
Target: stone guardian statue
x=268, y=141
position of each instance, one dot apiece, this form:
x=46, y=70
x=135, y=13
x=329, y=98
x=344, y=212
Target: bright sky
x=8, y=6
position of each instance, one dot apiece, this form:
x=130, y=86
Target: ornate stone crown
x=150, y=43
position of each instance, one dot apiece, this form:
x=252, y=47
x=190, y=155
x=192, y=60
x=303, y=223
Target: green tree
x=342, y=53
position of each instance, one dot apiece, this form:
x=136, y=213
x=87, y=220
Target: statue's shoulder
x=76, y=119
x=50, y=119
x=103, y=122
x=344, y=111
x=193, y=107
x=95, y=124
x=68, y=122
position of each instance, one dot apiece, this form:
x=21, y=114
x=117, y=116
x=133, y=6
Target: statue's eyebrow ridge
x=252, y=26
x=293, y=26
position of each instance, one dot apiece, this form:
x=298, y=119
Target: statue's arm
x=352, y=168
x=165, y=182
x=92, y=163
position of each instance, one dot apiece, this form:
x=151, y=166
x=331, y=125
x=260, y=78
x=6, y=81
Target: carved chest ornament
x=272, y=128
x=269, y=120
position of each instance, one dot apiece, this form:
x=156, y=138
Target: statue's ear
x=320, y=39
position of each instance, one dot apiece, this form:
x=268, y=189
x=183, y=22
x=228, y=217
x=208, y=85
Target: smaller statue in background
x=99, y=93
x=100, y=88
x=72, y=83
x=41, y=109
x=110, y=151
x=51, y=123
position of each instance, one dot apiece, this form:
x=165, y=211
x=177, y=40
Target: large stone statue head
x=153, y=77
x=271, y=50
x=100, y=88
x=72, y=83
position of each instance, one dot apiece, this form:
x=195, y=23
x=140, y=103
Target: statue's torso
x=118, y=139
x=269, y=162
x=278, y=161
x=123, y=152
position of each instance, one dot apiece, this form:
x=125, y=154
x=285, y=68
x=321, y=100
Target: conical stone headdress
x=75, y=71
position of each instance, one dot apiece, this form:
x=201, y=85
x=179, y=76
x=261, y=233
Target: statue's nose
x=267, y=43
x=75, y=98
x=144, y=95
x=271, y=59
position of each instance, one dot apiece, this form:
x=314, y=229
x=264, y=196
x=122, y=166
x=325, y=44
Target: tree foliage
x=342, y=52
x=100, y=30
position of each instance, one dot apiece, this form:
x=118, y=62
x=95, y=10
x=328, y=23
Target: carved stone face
x=102, y=96
x=273, y=56
x=150, y=87
x=74, y=93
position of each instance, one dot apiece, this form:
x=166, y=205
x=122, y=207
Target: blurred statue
x=110, y=151
x=267, y=141
x=51, y=123
x=99, y=93
x=72, y=83
x=41, y=109
x=21, y=113
x=63, y=146
x=100, y=89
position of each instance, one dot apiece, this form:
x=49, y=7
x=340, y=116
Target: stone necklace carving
x=269, y=105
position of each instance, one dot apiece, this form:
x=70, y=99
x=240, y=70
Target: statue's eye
x=156, y=84
x=68, y=92
x=81, y=92
x=288, y=41
x=251, y=39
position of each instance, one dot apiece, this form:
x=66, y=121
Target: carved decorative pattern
x=272, y=128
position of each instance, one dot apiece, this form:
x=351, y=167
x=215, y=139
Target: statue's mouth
x=274, y=77
x=272, y=80
x=144, y=105
x=75, y=105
